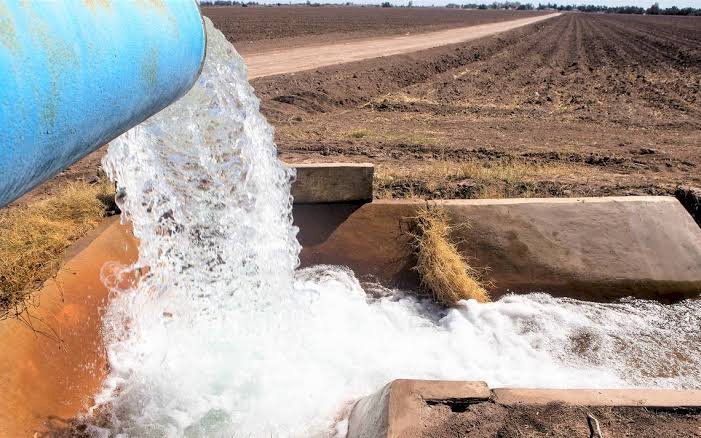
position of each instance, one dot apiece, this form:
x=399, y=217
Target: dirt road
x=276, y=62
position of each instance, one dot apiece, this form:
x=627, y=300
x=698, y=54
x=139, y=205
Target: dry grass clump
x=441, y=171
x=495, y=179
x=512, y=171
x=33, y=238
x=358, y=133
x=443, y=270
x=401, y=97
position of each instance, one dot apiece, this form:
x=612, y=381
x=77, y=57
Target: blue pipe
x=75, y=74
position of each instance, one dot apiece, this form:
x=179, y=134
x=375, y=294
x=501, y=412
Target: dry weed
x=358, y=133
x=495, y=179
x=443, y=270
x=33, y=238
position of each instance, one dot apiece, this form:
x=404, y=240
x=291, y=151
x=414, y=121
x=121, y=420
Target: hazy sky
x=641, y=3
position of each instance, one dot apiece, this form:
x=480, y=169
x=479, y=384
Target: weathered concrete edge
x=392, y=411
x=333, y=164
x=70, y=306
x=348, y=182
x=652, y=398
x=320, y=183
x=516, y=201
x=84, y=241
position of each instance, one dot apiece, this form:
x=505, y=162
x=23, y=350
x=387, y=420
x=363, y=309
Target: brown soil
x=489, y=419
x=617, y=97
x=256, y=29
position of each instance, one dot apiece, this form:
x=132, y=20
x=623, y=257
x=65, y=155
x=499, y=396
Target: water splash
x=220, y=335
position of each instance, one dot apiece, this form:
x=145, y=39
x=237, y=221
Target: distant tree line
x=296, y=3
x=496, y=5
x=655, y=9
x=652, y=10
x=227, y=3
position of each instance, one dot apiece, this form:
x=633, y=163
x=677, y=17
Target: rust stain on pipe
x=59, y=56
x=158, y=5
x=8, y=36
x=95, y=4
x=149, y=68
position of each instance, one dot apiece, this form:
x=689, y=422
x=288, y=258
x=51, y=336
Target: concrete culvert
x=690, y=197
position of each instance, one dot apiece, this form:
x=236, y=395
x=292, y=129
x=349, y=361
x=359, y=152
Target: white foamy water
x=222, y=336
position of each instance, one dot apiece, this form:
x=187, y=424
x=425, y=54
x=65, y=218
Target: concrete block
x=690, y=197
x=332, y=182
x=391, y=411
x=369, y=417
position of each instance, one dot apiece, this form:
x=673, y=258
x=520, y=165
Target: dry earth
x=486, y=420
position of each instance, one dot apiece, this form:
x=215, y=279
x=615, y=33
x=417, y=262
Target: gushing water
x=213, y=332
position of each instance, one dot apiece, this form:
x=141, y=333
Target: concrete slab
x=397, y=410
x=332, y=182
x=390, y=412
x=588, y=248
x=652, y=398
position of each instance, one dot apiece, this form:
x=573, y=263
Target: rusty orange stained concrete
x=45, y=381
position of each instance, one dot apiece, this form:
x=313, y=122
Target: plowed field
x=576, y=105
